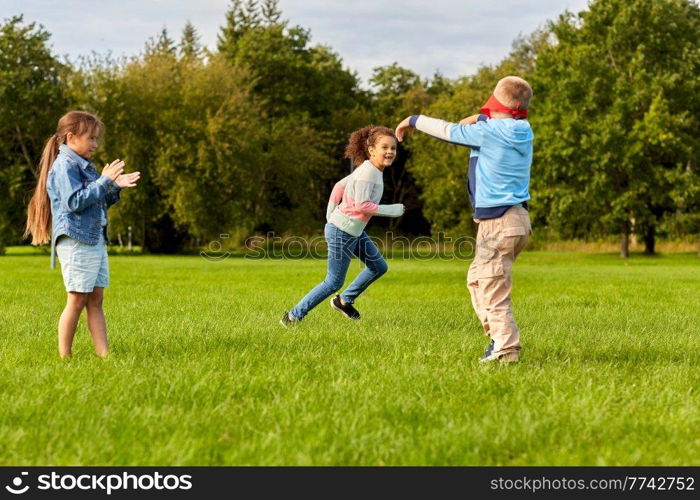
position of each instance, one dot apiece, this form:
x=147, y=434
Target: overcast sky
x=453, y=37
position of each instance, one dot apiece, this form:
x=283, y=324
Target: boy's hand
x=401, y=128
x=128, y=180
x=114, y=169
x=469, y=120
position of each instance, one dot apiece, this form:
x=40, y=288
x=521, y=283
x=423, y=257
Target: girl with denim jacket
x=353, y=201
x=69, y=209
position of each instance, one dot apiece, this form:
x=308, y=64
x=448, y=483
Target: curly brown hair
x=360, y=141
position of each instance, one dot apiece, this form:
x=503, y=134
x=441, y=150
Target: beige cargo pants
x=489, y=280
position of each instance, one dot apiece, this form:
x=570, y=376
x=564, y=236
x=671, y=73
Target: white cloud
x=450, y=36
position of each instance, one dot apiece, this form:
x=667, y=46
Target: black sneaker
x=287, y=320
x=346, y=309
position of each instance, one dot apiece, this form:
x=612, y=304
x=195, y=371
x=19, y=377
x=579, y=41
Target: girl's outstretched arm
x=363, y=203
x=393, y=210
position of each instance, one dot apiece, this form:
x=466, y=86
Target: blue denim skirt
x=83, y=266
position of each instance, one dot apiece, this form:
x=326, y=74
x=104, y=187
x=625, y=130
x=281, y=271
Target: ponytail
x=39, y=210
x=360, y=141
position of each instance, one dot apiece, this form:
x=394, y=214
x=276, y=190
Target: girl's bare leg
x=96, y=321
x=69, y=320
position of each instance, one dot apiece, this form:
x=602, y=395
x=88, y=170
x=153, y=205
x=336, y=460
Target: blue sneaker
x=488, y=351
x=489, y=355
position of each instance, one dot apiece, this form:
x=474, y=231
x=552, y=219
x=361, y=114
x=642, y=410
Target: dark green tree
x=190, y=45
x=232, y=29
x=270, y=11
x=616, y=95
x=33, y=97
x=298, y=86
x=160, y=44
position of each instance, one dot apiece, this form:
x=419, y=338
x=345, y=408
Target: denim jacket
x=80, y=197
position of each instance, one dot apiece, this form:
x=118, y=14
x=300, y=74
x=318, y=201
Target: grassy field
x=202, y=374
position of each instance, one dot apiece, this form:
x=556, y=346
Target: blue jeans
x=341, y=247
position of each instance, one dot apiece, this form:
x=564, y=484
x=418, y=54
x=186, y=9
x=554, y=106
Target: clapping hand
x=128, y=180
x=115, y=172
x=114, y=169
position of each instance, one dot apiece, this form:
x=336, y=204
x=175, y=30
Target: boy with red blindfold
x=500, y=139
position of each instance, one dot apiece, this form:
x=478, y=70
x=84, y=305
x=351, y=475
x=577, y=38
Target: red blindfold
x=494, y=104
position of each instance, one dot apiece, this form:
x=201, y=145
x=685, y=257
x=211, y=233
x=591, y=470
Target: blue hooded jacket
x=500, y=161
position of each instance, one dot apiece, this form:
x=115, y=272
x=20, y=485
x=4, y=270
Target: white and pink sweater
x=355, y=199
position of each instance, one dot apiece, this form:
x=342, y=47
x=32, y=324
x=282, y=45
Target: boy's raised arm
x=457, y=133
x=402, y=128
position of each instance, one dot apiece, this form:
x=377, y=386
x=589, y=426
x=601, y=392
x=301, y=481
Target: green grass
x=202, y=374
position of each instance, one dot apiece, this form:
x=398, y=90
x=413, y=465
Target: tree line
x=247, y=138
